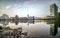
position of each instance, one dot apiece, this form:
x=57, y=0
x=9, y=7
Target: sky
x=22, y=8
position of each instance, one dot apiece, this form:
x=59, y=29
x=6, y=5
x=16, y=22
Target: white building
x=4, y=16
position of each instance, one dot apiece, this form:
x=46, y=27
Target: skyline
x=38, y=18
x=22, y=8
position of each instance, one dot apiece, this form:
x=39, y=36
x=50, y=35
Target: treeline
x=58, y=19
x=57, y=16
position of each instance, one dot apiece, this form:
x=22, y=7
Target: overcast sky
x=37, y=8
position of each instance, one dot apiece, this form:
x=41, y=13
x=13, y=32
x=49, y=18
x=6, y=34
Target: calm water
x=36, y=28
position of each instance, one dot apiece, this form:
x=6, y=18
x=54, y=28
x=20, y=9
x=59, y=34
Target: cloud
x=9, y=6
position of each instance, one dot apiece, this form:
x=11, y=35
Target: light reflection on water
x=38, y=29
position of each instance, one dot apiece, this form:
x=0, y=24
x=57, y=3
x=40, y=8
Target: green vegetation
x=57, y=17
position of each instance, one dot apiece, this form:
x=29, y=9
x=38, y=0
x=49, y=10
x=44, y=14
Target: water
x=36, y=28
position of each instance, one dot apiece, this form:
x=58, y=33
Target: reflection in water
x=4, y=22
x=31, y=21
x=53, y=27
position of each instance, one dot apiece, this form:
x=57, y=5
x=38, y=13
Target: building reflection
x=23, y=21
x=17, y=22
x=54, y=24
x=5, y=23
x=53, y=29
x=31, y=21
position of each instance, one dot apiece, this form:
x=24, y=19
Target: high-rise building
x=53, y=9
x=28, y=16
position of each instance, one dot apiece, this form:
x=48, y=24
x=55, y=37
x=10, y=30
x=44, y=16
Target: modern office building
x=53, y=10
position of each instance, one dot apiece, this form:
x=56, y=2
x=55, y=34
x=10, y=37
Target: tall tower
x=53, y=9
x=28, y=16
